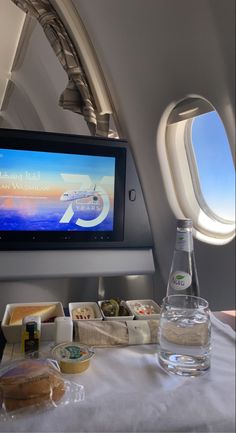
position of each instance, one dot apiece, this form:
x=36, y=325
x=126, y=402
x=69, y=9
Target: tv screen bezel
x=68, y=144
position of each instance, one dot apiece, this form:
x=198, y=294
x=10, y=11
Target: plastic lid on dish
x=72, y=357
x=144, y=308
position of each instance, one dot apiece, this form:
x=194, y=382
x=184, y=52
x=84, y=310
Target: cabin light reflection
x=190, y=111
x=132, y=277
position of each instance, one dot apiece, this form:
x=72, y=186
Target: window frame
x=180, y=175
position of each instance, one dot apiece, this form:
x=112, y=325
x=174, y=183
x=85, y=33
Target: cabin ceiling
x=158, y=51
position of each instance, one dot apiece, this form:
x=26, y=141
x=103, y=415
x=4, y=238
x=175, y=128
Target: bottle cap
x=185, y=223
x=31, y=327
x=35, y=319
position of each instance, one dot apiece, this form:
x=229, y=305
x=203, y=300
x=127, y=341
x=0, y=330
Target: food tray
x=146, y=312
x=12, y=333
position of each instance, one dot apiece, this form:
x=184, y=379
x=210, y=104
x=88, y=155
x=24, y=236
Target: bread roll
x=31, y=382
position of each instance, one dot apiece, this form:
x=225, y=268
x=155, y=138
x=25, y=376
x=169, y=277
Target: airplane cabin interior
x=117, y=198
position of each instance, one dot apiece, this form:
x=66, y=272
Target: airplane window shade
x=188, y=109
x=201, y=183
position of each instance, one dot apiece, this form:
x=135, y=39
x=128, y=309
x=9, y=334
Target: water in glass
x=184, y=335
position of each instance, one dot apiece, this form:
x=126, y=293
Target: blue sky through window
x=215, y=164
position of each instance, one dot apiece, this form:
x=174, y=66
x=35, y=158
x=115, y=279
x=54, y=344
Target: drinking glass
x=184, y=335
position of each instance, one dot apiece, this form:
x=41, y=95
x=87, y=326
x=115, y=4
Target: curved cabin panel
x=152, y=55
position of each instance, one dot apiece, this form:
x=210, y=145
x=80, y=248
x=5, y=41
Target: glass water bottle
x=183, y=279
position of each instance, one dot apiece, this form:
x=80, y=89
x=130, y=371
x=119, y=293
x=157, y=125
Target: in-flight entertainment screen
x=61, y=191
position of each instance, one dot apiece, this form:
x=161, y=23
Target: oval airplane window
x=197, y=168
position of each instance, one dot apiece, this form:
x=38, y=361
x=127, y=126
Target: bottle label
x=180, y=280
x=184, y=242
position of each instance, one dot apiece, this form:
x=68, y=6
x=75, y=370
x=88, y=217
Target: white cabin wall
x=155, y=53
x=152, y=53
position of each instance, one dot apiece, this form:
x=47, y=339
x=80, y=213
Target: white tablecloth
x=126, y=390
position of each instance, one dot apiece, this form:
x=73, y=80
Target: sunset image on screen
x=53, y=191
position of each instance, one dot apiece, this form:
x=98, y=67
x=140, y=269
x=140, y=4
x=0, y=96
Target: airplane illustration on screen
x=79, y=195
